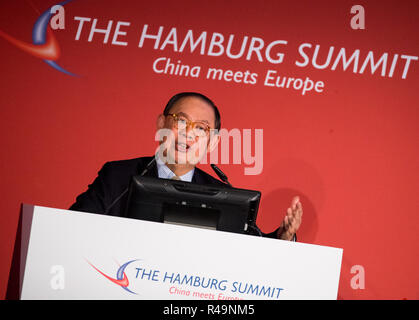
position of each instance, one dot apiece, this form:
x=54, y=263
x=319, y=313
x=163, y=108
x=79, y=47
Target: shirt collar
x=164, y=172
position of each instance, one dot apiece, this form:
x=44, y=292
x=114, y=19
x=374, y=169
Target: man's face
x=187, y=145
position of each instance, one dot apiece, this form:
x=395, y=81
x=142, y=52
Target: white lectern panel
x=74, y=255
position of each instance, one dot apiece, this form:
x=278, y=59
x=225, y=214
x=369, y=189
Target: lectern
x=76, y=255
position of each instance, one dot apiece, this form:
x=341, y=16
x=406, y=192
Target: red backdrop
x=350, y=152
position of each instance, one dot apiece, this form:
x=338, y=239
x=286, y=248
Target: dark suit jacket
x=114, y=178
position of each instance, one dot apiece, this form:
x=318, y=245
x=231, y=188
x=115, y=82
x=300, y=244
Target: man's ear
x=214, y=140
x=161, y=119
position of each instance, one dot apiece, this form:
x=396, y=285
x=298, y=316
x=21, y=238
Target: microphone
x=147, y=168
x=220, y=174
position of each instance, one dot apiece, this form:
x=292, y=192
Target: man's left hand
x=292, y=220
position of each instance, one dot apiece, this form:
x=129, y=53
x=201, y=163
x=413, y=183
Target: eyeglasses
x=199, y=129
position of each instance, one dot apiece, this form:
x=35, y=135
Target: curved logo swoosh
x=44, y=45
x=48, y=51
x=121, y=278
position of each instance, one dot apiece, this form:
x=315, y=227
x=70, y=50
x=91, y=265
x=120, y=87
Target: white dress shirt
x=164, y=172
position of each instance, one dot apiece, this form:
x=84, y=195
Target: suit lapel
x=198, y=177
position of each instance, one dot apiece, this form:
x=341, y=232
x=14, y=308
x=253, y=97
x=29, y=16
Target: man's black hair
x=181, y=95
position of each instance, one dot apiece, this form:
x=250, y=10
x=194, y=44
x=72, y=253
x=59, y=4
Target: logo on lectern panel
x=121, y=277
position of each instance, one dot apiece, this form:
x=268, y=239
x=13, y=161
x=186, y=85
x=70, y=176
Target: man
x=190, y=122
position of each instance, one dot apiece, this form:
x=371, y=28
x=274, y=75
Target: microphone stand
x=224, y=178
